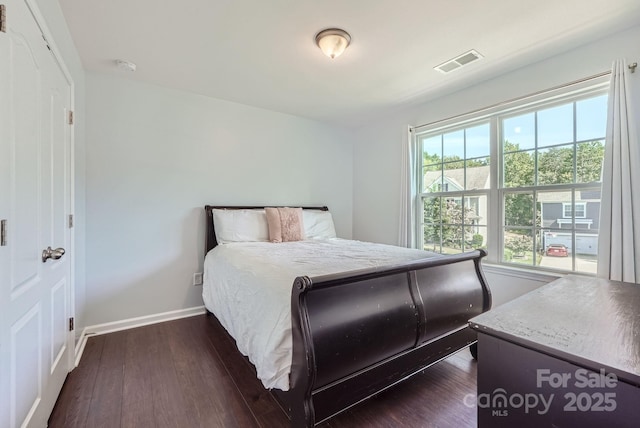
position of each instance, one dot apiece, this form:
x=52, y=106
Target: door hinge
x=3, y=233
x=3, y=18
x=71, y=324
x=70, y=117
x=70, y=221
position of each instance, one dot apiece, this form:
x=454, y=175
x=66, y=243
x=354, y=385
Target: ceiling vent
x=458, y=62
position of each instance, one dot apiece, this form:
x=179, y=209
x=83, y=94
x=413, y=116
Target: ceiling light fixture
x=333, y=41
x=126, y=65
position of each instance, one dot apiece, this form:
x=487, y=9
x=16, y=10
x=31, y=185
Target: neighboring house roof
x=477, y=178
x=581, y=196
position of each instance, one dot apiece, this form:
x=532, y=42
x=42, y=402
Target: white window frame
x=496, y=193
x=566, y=205
x=453, y=194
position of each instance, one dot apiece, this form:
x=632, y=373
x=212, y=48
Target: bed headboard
x=210, y=240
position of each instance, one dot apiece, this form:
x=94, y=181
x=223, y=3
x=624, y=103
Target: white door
x=35, y=186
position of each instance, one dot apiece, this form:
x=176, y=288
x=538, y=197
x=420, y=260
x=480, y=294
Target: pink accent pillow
x=285, y=224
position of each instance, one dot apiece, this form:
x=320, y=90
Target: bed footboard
x=358, y=333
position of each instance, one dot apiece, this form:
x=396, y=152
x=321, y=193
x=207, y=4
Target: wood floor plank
x=106, y=400
x=137, y=392
x=168, y=402
x=72, y=407
x=188, y=373
x=201, y=371
x=258, y=398
x=433, y=398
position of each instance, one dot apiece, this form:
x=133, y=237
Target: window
x=517, y=181
x=455, y=187
x=567, y=209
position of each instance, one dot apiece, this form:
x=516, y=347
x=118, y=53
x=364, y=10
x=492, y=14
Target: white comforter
x=247, y=285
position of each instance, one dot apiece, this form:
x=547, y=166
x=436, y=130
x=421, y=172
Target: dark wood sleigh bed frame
x=358, y=333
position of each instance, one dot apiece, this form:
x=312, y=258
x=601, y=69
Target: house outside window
x=567, y=209
x=517, y=182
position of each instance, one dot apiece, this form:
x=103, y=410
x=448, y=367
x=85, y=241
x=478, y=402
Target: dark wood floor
x=188, y=373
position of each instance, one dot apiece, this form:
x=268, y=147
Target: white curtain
x=407, y=233
x=619, y=236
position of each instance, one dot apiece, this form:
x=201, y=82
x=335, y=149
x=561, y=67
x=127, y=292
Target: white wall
x=56, y=24
x=377, y=147
x=156, y=156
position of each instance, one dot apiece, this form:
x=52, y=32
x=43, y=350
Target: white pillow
x=318, y=224
x=244, y=225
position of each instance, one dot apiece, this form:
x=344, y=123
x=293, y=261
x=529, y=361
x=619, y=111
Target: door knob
x=50, y=253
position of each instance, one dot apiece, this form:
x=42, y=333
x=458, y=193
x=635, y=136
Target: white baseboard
x=110, y=327
x=80, y=344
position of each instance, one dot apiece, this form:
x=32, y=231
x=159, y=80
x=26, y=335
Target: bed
x=329, y=322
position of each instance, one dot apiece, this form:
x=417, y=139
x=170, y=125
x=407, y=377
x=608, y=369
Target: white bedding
x=247, y=285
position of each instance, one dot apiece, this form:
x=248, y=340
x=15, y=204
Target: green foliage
x=508, y=255
x=433, y=162
x=518, y=166
x=518, y=244
x=477, y=240
x=589, y=157
x=443, y=220
x=555, y=165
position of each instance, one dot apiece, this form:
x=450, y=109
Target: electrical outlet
x=197, y=278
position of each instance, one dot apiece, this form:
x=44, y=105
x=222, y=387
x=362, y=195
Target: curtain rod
x=632, y=67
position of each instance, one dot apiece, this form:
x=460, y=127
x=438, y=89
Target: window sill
x=529, y=274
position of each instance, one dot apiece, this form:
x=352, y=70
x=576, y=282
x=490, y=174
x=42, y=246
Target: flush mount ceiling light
x=333, y=41
x=126, y=65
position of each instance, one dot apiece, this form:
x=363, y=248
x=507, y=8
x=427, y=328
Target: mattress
x=247, y=286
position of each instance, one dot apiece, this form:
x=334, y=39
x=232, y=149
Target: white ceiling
x=262, y=52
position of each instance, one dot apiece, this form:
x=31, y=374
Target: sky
x=555, y=126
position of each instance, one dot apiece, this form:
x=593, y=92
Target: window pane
x=518, y=209
x=519, y=169
x=478, y=141
x=587, y=253
x=478, y=175
x=591, y=118
x=476, y=238
x=452, y=210
x=431, y=210
x=518, y=247
x=453, y=145
x=555, y=165
x=587, y=210
x=432, y=150
x=589, y=157
x=432, y=181
x=552, y=209
x=452, y=239
x=475, y=208
x=556, y=246
x=453, y=176
x=432, y=234
x=555, y=125
x=518, y=132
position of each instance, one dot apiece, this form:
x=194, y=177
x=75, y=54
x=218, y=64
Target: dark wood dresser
x=564, y=355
